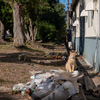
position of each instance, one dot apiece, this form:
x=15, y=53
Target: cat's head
x=72, y=54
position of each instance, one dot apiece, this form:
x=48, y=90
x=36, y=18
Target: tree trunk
x=31, y=30
x=27, y=34
x=17, y=29
x=35, y=32
x=2, y=31
x=22, y=13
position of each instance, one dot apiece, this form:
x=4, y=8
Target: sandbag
x=62, y=75
x=43, y=90
x=44, y=75
x=63, y=92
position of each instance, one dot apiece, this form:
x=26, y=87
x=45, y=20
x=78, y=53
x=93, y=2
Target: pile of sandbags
x=50, y=85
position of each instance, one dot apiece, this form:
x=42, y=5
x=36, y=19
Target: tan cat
x=71, y=65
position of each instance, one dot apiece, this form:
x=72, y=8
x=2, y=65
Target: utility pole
x=67, y=14
x=66, y=43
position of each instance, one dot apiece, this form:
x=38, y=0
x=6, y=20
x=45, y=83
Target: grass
x=5, y=81
x=23, y=72
x=19, y=67
x=28, y=48
x=39, y=43
x=10, y=69
x=10, y=46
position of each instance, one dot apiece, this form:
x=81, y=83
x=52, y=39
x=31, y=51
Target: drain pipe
x=95, y=59
x=96, y=49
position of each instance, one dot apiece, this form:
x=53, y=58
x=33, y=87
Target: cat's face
x=72, y=55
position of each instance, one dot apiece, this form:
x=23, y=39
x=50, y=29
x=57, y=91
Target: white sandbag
x=18, y=87
x=34, y=83
x=38, y=81
x=44, y=75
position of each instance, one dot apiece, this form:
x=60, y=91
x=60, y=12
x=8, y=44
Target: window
x=90, y=18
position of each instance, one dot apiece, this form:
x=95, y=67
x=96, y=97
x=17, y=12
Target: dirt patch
x=13, y=71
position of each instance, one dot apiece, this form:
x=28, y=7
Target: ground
x=13, y=71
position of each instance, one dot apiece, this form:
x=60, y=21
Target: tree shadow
x=3, y=43
x=40, y=58
x=28, y=49
x=56, y=63
x=48, y=46
x=13, y=58
x=5, y=96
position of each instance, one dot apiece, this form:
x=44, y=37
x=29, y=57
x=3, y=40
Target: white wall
x=77, y=16
x=91, y=31
x=99, y=16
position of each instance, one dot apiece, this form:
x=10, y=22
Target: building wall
x=91, y=39
x=77, y=17
x=91, y=31
x=91, y=53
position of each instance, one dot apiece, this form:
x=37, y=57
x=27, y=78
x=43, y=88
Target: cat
x=71, y=65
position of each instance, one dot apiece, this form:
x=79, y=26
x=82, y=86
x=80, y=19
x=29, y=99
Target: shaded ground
x=13, y=71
